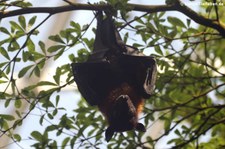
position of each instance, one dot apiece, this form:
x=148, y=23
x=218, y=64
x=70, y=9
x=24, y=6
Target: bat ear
x=109, y=133
x=140, y=127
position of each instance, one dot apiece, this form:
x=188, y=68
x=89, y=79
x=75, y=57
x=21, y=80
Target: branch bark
x=79, y=6
x=215, y=24
x=177, y=6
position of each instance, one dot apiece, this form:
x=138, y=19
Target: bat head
x=123, y=118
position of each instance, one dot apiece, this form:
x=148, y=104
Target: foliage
x=189, y=94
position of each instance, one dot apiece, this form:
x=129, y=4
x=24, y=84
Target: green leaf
x=163, y=30
x=4, y=30
x=50, y=116
x=158, y=50
x=55, y=48
x=25, y=56
x=30, y=45
x=173, y=33
x=7, y=102
x=36, y=71
x=22, y=4
x=18, y=114
x=13, y=46
x=4, y=53
x=18, y=103
x=151, y=27
x=8, y=69
x=57, y=75
x=41, y=63
x=167, y=124
x=4, y=124
x=56, y=38
x=7, y=117
x=65, y=141
x=65, y=34
x=85, y=27
x=37, y=135
x=177, y=132
x=24, y=71
x=36, y=32
x=51, y=128
x=32, y=21
x=2, y=81
x=58, y=54
x=72, y=142
x=176, y=22
x=57, y=100
x=15, y=26
x=43, y=83
x=18, y=59
x=41, y=120
x=161, y=14
x=37, y=55
x=188, y=22
x=72, y=57
x=91, y=132
x=17, y=137
x=1, y=72
x=55, y=112
x=42, y=46
x=193, y=30
x=76, y=26
x=22, y=22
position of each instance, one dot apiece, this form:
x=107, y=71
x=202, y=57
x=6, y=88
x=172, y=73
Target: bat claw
x=123, y=97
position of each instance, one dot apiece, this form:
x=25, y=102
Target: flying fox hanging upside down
x=116, y=78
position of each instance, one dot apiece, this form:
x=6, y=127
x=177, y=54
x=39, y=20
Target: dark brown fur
x=121, y=109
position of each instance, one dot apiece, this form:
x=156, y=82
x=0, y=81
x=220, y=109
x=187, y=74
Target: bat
x=116, y=78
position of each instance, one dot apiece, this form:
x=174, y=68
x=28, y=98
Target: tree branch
x=216, y=24
x=79, y=6
x=177, y=6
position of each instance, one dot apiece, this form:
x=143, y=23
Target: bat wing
x=141, y=72
x=111, y=63
x=95, y=80
x=90, y=78
x=95, y=77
